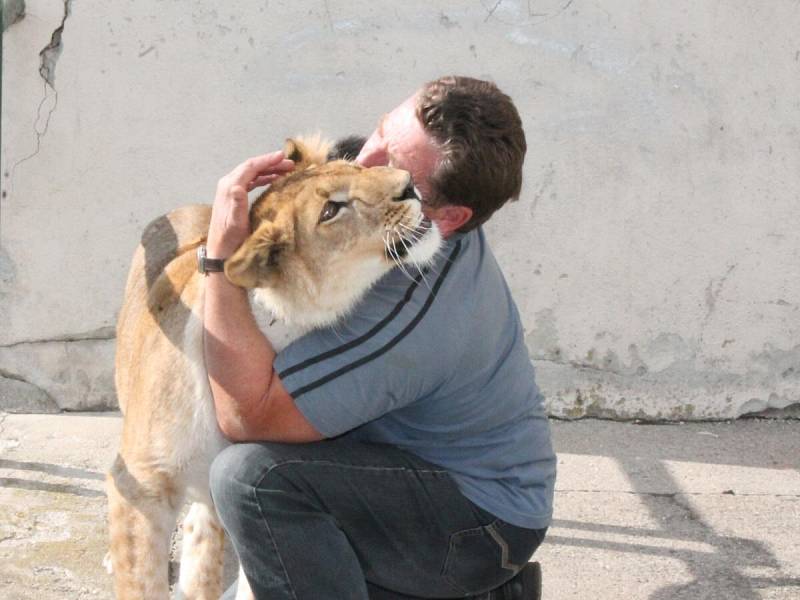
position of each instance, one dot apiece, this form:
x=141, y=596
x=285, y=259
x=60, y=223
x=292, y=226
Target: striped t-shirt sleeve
x=380, y=359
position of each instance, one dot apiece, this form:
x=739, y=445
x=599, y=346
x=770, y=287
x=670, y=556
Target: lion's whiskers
x=417, y=236
x=391, y=249
x=415, y=263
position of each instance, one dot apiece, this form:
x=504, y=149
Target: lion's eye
x=330, y=210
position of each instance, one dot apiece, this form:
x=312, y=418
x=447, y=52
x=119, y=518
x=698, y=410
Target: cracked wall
x=67, y=373
x=652, y=253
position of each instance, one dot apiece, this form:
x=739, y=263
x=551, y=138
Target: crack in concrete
x=4, y=374
x=713, y=291
x=550, y=17
x=584, y=366
x=492, y=10
x=50, y=53
x=15, y=377
x=48, y=57
x=674, y=495
x=98, y=335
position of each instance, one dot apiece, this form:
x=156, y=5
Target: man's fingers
x=262, y=180
x=229, y=215
x=249, y=172
x=266, y=164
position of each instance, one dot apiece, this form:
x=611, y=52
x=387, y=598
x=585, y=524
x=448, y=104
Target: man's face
x=401, y=142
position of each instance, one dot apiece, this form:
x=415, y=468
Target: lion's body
x=307, y=272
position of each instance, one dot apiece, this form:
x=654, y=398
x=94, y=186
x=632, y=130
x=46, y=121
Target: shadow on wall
x=163, y=240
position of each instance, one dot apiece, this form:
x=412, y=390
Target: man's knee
x=233, y=475
x=240, y=468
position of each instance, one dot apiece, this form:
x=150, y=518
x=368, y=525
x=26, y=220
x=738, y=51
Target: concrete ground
x=690, y=511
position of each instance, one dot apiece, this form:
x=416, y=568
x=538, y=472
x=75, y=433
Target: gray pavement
x=689, y=511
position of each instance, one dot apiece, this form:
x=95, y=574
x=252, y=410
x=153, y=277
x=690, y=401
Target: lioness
x=321, y=236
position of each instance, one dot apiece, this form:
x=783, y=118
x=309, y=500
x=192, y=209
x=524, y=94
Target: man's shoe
x=525, y=585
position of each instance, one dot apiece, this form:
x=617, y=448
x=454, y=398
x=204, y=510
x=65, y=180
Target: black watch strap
x=208, y=265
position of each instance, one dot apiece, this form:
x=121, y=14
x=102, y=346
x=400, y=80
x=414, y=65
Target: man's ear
x=449, y=218
x=306, y=151
x=256, y=260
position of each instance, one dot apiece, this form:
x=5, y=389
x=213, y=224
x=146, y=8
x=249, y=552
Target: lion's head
x=324, y=234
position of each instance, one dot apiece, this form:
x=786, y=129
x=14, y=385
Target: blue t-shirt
x=437, y=365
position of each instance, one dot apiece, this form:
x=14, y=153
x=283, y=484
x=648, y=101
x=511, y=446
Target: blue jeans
x=344, y=520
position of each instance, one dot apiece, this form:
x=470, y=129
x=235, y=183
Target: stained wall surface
x=654, y=252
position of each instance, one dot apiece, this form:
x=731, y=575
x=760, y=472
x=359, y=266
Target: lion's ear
x=255, y=261
x=306, y=151
x=293, y=151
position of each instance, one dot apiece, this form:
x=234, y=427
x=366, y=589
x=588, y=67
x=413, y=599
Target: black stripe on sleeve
x=359, y=340
x=391, y=343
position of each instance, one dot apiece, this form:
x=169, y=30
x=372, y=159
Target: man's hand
x=230, y=225
x=249, y=398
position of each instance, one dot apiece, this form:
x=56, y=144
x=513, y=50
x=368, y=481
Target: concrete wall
x=653, y=255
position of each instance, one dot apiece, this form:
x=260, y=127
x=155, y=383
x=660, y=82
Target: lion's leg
x=142, y=512
x=201, y=554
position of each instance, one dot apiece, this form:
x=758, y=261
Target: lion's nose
x=410, y=193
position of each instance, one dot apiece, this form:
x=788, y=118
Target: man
x=406, y=454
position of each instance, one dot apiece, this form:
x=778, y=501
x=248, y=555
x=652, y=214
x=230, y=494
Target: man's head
x=462, y=141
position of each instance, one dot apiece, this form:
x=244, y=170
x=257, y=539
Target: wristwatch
x=208, y=265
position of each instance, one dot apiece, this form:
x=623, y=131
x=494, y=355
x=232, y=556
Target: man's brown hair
x=480, y=134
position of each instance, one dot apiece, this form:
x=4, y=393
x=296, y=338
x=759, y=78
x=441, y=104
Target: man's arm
x=250, y=401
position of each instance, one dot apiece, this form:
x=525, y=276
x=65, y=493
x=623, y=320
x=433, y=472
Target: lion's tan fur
x=305, y=272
